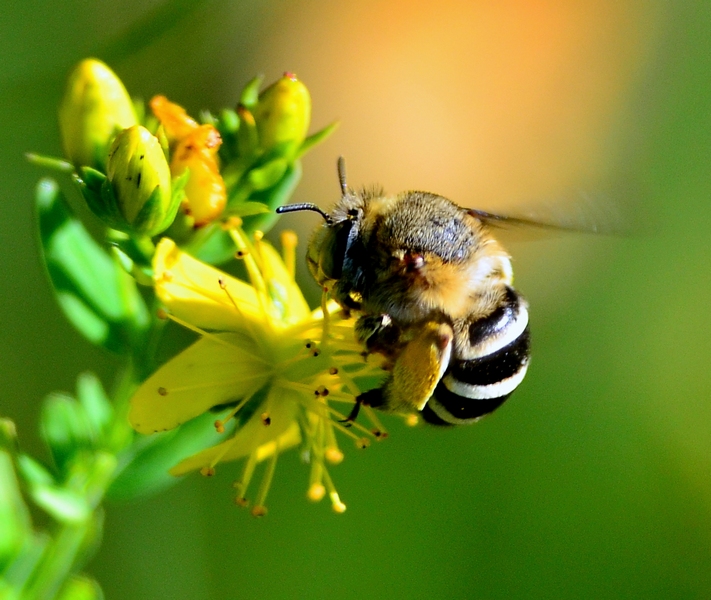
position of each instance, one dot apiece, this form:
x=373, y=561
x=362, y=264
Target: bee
x=433, y=288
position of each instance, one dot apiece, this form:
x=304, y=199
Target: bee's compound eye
x=333, y=251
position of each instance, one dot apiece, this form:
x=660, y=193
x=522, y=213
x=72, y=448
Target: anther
x=207, y=471
x=362, y=443
x=221, y=282
x=219, y=426
x=333, y=371
x=321, y=391
x=380, y=435
x=259, y=511
x=333, y=455
x=241, y=501
x=162, y=391
x=241, y=253
x=162, y=314
x=258, y=235
x=316, y=492
x=411, y=420
x=266, y=419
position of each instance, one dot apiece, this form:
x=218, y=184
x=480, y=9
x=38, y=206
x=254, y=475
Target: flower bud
x=95, y=107
x=205, y=192
x=282, y=115
x=176, y=122
x=136, y=196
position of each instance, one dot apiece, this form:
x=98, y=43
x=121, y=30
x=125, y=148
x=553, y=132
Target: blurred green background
x=594, y=481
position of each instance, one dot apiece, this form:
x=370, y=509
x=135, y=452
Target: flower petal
x=217, y=369
x=191, y=290
x=284, y=292
x=281, y=406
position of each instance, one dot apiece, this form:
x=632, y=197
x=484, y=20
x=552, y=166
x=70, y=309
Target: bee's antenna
x=342, y=175
x=305, y=206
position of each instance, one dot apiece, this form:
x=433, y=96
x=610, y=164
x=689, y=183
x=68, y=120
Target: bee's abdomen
x=494, y=365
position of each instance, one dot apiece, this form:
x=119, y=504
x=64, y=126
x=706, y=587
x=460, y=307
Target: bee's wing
x=598, y=218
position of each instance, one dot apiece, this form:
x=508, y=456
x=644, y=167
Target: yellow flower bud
x=95, y=107
x=177, y=124
x=140, y=198
x=283, y=114
x=205, y=192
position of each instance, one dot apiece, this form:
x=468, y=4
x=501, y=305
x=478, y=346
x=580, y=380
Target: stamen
x=207, y=471
x=243, y=483
x=202, y=332
x=379, y=432
x=412, y=420
x=162, y=314
x=266, y=419
x=259, y=510
x=220, y=423
x=338, y=506
x=288, y=246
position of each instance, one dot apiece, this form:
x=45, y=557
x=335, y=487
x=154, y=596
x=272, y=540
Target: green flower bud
x=95, y=107
x=282, y=115
x=136, y=195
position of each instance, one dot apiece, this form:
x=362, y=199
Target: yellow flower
x=276, y=374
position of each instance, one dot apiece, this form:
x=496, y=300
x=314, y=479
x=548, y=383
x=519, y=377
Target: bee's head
x=327, y=255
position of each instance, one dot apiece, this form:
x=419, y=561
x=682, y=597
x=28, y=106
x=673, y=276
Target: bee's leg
x=378, y=333
x=372, y=398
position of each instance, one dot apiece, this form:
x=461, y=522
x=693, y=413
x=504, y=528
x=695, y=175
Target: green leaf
x=146, y=468
x=97, y=406
x=267, y=175
x=50, y=162
x=96, y=295
x=316, y=138
x=247, y=209
x=272, y=198
x=62, y=504
x=66, y=429
x=250, y=93
x=80, y=587
x=14, y=516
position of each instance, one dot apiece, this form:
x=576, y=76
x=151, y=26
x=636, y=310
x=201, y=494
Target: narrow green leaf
x=14, y=516
x=96, y=404
x=66, y=429
x=146, y=469
x=273, y=197
x=80, y=587
x=250, y=93
x=63, y=505
x=316, y=138
x=50, y=162
x=267, y=175
x=94, y=292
